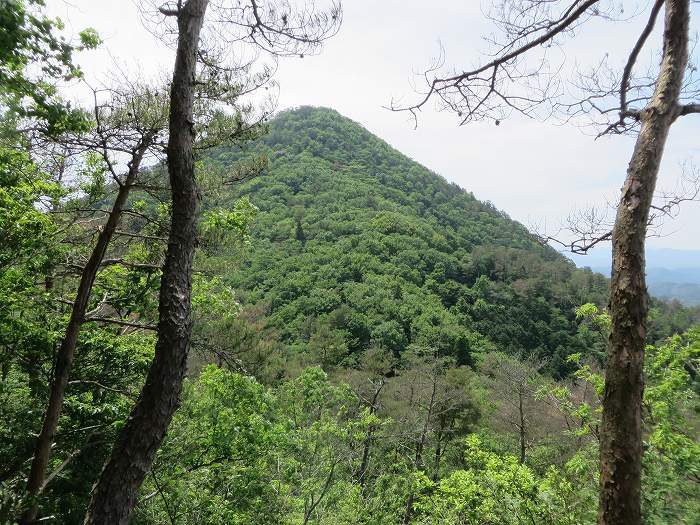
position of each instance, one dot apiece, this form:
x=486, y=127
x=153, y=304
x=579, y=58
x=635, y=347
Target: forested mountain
x=371, y=345
x=357, y=246
x=213, y=315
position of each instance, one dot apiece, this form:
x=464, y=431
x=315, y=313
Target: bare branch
x=467, y=85
x=627, y=73
x=141, y=236
x=585, y=229
x=120, y=322
x=687, y=109
x=104, y=387
x=169, y=11
x=128, y=264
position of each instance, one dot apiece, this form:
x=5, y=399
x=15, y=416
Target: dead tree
x=430, y=405
x=522, y=75
x=514, y=384
x=205, y=31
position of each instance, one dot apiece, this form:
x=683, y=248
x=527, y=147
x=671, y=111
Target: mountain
x=679, y=285
x=356, y=246
x=671, y=274
x=672, y=259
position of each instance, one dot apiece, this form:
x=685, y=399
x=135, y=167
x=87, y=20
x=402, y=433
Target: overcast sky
x=536, y=172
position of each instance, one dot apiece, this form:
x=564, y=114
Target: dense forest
x=370, y=335
x=211, y=314
x=356, y=246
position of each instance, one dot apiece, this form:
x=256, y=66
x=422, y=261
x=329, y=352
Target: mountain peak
x=358, y=246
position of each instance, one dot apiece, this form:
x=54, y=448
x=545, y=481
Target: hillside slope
x=357, y=246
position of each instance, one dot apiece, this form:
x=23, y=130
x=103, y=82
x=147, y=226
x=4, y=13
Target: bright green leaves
x=671, y=462
x=672, y=405
x=590, y=313
x=238, y=453
x=215, y=464
x=89, y=38
x=212, y=300
x=221, y=225
x=28, y=247
x=30, y=38
x=91, y=178
x=226, y=416
x=322, y=432
x=25, y=228
x=496, y=490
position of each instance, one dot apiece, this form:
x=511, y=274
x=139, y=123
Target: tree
x=129, y=123
x=499, y=490
x=55, y=204
x=367, y=382
x=275, y=28
x=224, y=430
x=672, y=454
x=431, y=404
x=30, y=38
x=519, y=78
x=321, y=445
x=115, y=492
x=514, y=384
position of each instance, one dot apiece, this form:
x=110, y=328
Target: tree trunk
x=420, y=446
x=621, y=432
x=114, y=494
x=438, y=455
x=66, y=352
x=521, y=427
x=364, y=465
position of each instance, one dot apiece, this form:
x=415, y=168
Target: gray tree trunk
x=114, y=495
x=621, y=429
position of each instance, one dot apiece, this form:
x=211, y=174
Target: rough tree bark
x=114, y=494
x=361, y=476
x=621, y=432
x=66, y=352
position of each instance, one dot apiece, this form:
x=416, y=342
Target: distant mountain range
x=671, y=274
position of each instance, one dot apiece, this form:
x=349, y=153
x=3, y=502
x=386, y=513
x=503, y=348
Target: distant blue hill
x=671, y=274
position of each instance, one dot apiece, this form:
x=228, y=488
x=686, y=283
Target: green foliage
x=320, y=431
x=29, y=38
x=356, y=244
x=218, y=225
x=24, y=227
x=497, y=489
x=89, y=38
x=672, y=455
x=671, y=460
x=215, y=465
x=378, y=335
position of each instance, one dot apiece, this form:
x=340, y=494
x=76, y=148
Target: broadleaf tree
x=521, y=75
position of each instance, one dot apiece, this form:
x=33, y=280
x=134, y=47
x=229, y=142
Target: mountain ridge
x=356, y=247
x=670, y=274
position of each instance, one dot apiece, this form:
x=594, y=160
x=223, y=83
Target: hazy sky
x=536, y=172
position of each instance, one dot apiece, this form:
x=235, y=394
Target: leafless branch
x=585, y=229
x=687, y=109
x=104, y=387
x=120, y=322
x=632, y=59
x=479, y=93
